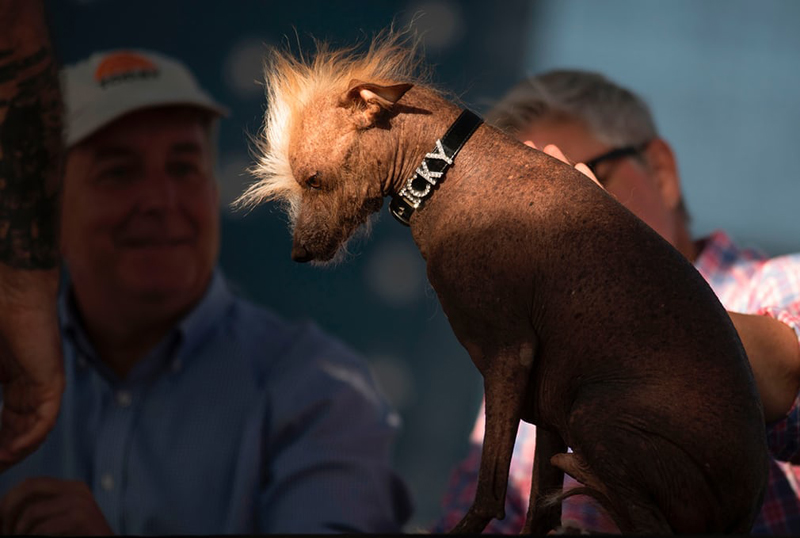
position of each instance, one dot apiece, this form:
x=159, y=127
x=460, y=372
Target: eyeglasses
x=612, y=155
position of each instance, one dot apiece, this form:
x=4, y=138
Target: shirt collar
x=71, y=325
x=717, y=252
x=177, y=346
x=200, y=322
x=712, y=250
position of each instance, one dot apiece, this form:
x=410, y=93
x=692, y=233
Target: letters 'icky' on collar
x=422, y=184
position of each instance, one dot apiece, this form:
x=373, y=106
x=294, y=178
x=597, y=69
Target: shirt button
x=107, y=482
x=124, y=398
x=82, y=362
x=176, y=366
x=394, y=420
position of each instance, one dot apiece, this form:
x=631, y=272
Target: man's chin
x=164, y=288
x=169, y=280
x=159, y=293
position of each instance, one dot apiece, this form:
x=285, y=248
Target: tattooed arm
x=31, y=368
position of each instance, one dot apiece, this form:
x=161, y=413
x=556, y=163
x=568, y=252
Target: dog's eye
x=313, y=181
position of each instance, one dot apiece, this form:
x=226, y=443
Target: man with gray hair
x=187, y=410
x=610, y=129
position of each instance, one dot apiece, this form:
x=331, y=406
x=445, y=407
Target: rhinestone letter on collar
x=421, y=185
x=415, y=196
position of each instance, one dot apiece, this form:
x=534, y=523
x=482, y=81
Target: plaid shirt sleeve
x=776, y=293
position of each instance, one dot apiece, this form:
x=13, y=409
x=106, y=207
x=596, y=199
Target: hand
x=554, y=151
x=51, y=506
x=31, y=366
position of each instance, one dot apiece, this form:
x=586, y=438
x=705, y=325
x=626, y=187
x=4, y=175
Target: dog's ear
x=371, y=101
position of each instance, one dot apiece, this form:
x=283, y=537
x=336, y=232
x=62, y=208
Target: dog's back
x=637, y=366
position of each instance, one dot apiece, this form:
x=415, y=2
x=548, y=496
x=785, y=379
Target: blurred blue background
x=722, y=77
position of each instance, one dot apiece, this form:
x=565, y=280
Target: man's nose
x=159, y=192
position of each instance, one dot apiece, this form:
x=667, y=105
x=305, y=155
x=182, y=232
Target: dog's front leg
x=505, y=383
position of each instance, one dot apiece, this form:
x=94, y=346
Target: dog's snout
x=300, y=254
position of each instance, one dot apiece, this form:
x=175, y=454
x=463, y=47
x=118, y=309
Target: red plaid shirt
x=746, y=281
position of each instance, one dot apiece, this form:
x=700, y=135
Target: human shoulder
x=788, y=264
x=284, y=349
x=746, y=278
x=777, y=281
x=312, y=374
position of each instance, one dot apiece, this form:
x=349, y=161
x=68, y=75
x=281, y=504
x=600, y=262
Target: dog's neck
x=422, y=185
x=422, y=118
x=488, y=155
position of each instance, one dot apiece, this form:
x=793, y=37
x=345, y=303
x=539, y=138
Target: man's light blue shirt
x=236, y=423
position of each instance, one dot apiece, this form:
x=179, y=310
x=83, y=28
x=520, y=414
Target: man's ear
x=665, y=169
x=371, y=101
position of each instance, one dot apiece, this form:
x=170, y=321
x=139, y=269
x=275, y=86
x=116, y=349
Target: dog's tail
x=558, y=497
x=634, y=518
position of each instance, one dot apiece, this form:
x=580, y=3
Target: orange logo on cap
x=124, y=66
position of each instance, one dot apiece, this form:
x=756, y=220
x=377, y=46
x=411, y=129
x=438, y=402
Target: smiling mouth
x=150, y=242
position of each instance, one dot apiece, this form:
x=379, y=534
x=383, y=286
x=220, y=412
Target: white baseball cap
x=110, y=84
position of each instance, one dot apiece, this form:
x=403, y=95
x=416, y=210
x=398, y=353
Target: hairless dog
x=581, y=319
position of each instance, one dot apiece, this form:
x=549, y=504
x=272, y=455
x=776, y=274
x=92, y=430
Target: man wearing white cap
x=187, y=410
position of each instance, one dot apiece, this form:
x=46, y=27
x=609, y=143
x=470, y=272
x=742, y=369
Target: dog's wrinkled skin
x=581, y=319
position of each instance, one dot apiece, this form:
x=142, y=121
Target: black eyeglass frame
x=616, y=153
